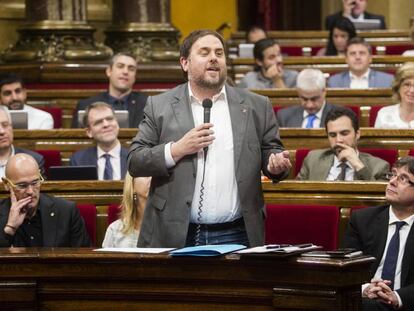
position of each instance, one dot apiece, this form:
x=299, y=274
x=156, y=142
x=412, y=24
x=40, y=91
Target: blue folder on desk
x=207, y=250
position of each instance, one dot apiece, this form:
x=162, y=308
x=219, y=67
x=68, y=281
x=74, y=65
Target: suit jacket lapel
x=183, y=113
x=371, y=79
x=49, y=221
x=325, y=165
x=408, y=257
x=380, y=232
x=124, y=154
x=239, y=113
x=347, y=78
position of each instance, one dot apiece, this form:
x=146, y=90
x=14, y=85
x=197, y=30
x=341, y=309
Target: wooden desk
x=79, y=279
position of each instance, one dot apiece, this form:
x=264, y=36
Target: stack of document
x=280, y=249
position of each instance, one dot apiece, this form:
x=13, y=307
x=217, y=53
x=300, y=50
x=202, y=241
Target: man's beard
x=16, y=105
x=212, y=85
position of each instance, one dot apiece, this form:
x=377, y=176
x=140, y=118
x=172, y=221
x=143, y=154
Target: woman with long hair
x=340, y=33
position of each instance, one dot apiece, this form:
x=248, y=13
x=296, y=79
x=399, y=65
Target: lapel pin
x=52, y=214
x=244, y=110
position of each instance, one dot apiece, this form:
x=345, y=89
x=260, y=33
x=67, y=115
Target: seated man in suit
x=121, y=73
x=342, y=161
x=31, y=219
x=386, y=233
x=7, y=149
x=13, y=96
x=360, y=76
x=355, y=11
x=312, y=111
x=108, y=154
x=269, y=72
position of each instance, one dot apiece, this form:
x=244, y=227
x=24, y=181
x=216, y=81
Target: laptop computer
x=19, y=119
x=367, y=24
x=121, y=115
x=246, y=50
x=81, y=172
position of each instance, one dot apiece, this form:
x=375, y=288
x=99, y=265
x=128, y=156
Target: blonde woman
x=124, y=232
x=400, y=115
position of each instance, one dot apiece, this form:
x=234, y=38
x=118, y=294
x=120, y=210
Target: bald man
x=31, y=219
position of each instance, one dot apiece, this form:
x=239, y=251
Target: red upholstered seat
x=295, y=224
x=88, y=213
x=356, y=110
x=291, y=50
x=299, y=157
x=52, y=158
x=411, y=152
x=113, y=213
x=373, y=114
x=276, y=109
x=56, y=113
x=389, y=155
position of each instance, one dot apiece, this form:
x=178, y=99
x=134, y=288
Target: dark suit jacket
x=135, y=102
x=38, y=157
x=375, y=79
x=293, y=116
x=367, y=231
x=62, y=224
x=89, y=156
x=330, y=19
x=318, y=163
x=168, y=117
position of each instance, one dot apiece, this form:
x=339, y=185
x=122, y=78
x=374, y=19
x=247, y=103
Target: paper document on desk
x=134, y=250
x=279, y=249
x=207, y=250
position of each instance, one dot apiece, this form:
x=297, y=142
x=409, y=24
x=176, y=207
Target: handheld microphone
x=207, y=104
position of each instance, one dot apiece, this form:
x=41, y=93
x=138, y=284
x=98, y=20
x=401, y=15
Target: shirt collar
x=365, y=76
x=114, y=152
x=112, y=100
x=392, y=218
x=218, y=96
x=318, y=114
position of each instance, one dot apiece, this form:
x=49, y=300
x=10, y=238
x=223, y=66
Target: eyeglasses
x=25, y=185
x=403, y=179
x=407, y=85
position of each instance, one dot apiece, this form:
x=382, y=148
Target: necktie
x=342, y=173
x=311, y=119
x=108, y=167
x=390, y=262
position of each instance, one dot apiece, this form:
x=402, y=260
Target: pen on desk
x=304, y=245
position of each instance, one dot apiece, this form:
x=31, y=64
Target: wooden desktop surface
x=80, y=279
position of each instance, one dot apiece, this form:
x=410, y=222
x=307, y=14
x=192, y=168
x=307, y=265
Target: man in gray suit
x=311, y=113
x=358, y=56
x=199, y=197
x=342, y=161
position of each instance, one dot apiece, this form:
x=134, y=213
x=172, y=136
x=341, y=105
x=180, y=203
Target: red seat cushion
x=88, y=213
x=295, y=224
x=52, y=158
x=389, y=155
x=113, y=213
x=373, y=114
x=56, y=113
x=300, y=156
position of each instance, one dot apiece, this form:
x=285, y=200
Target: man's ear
x=108, y=71
x=88, y=132
x=5, y=184
x=358, y=134
x=184, y=63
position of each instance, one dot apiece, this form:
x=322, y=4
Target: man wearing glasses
x=311, y=113
x=31, y=219
x=386, y=233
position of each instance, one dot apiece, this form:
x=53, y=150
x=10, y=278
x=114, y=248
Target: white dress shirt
x=317, y=121
x=359, y=82
x=38, y=119
x=336, y=170
x=389, y=117
x=115, y=159
x=4, y=162
x=221, y=200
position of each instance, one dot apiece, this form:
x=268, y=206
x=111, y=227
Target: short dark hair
x=262, y=45
x=253, y=28
x=9, y=78
x=358, y=40
x=188, y=42
x=94, y=105
x=407, y=161
x=115, y=56
x=338, y=112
